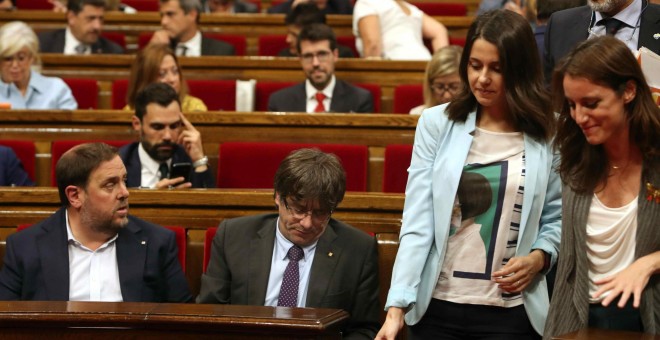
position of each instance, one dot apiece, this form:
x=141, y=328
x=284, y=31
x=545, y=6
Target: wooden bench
x=374, y=130
x=198, y=209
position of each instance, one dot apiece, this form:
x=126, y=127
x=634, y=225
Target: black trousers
x=447, y=320
x=612, y=317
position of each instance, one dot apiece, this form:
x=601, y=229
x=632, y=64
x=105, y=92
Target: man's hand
x=191, y=140
x=173, y=183
x=160, y=37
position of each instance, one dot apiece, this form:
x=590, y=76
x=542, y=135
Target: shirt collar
x=193, y=44
x=629, y=15
x=149, y=163
x=311, y=91
x=70, y=42
x=282, y=245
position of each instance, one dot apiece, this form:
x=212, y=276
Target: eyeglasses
x=20, y=57
x=440, y=88
x=322, y=56
x=318, y=216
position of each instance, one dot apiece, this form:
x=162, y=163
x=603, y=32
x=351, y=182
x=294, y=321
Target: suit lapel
x=131, y=257
x=261, y=254
x=649, y=26
x=133, y=167
x=338, y=97
x=323, y=267
x=54, y=255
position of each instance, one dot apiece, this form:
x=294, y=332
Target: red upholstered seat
x=407, y=97
x=34, y=4
x=348, y=41
x=143, y=5
x=116, y=37
x=119, y=91
x=375, y=94
x=395, y=172
x=26, y=153
x=218, y=95
x=22, y=227
x=270, y=45
x=458, y=41
x=208, y=243
x=442, y=8
x=238, y=41
x=59, y=147
x=180, y=234
x=86, y=92
x=253, y=165
x=263, y=90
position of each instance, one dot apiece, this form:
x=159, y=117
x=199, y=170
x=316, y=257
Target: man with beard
x=321, y=92
x=179, y=20
x=299, y=257
x=635, y=22
x=83, y=32
x=166, y=138
x=91, y=249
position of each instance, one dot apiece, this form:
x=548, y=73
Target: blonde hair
x=444, y=62
x=14, y=36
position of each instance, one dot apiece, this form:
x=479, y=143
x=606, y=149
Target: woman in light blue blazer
x=481, y=221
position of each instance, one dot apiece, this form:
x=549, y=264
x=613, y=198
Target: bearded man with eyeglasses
x=300, y=256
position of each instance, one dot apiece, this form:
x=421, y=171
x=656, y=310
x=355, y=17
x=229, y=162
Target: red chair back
x=34, y=4
x=143, y=5
x=442, y=8
x=348, y=41
x=218, y=95
x=59, y=147
x=22, y=227
x=119, y=91
x=180, y=235
x=26, y=153
x=208, y=244
x=395, y=171
x=271, y=45
x=375, y=94
x=407, y=97
x=263, y=90
x=86, y=92
x=116, y=37
x=253, y=165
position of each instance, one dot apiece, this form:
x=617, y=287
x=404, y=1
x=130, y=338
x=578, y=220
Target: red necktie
x=319, y=99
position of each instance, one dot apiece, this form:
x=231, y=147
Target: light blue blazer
x=43, y=93
x=440, y=150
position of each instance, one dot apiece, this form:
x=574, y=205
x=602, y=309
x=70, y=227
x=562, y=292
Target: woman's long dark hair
x=605, y=61
x=527, y=100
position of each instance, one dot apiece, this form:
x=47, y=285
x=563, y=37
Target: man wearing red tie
x=322, y=91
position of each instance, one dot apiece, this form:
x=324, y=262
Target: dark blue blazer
x=11, y=169
x=129, y=155
x=53, y=42
x=36, y=264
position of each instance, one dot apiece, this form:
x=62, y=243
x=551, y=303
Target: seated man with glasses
x=299, y=257
x=322, y=91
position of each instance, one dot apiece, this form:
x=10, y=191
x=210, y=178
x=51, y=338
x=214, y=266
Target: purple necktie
x=290, y=281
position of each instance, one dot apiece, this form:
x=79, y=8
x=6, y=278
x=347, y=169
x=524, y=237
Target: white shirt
x=310, y=92
x=278, y=265
x=149, y=166
x=70, y=43
x=193, y=46
x=632, y=16
x=93, y=274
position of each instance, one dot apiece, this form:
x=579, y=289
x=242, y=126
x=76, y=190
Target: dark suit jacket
x=53, y=42
x=348, y=279
x=36, y=265
x=239, y=7
x=569, y=27
x=345, y=98
x=216, y=47
x=129, y=155
x=11, y=169
x=344, y=52
x=333, y=7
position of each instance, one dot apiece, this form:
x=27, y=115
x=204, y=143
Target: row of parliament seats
x=220, y=95
x=244, y=165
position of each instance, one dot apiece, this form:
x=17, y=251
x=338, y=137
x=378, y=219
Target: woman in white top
x=395, y=29
x=441, y=80
x=609, y=128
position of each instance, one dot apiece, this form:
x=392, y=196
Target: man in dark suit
x=321, y=92
x=300, y=257
x=180, y=21
x=91, y=249
x=306, y=13
x=326, y=6
x=230, y=6
x=11, y=169
x=167, y=140
x=637, y=24
x=83, y=32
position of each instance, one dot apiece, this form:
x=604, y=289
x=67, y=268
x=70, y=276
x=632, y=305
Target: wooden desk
x=375, y=131
x=598, y=334
x=110, y=320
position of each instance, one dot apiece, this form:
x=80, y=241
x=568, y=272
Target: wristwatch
x=201, y=162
